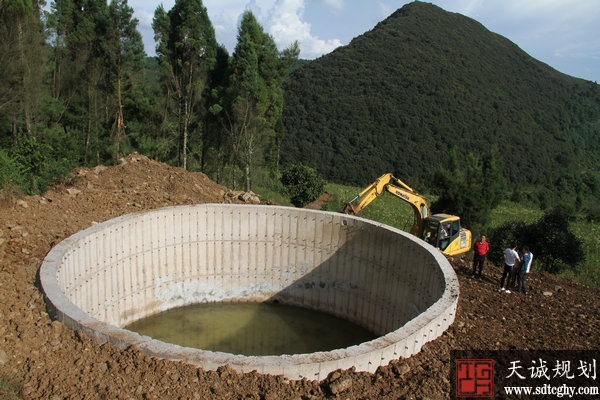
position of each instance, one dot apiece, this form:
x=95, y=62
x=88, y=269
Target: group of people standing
x=516, y=267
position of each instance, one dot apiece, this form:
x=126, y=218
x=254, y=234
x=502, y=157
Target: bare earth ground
x=45, y=360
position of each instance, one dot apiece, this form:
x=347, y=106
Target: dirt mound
x=46, y=360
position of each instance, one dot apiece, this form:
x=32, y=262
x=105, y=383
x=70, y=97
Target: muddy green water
x=251, y=329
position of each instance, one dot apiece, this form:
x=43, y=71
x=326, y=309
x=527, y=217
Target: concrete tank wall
x=131, y=267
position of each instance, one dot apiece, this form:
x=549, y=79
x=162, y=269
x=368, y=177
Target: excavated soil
x=41, y=359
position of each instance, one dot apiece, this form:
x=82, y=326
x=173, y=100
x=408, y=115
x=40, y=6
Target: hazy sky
x=564, y=34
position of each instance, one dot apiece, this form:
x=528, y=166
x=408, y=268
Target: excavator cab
x=444, y=232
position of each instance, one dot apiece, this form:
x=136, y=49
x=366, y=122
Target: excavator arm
x=440, y=230
x=388, y=183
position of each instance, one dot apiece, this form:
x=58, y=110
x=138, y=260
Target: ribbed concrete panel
x=131, y=267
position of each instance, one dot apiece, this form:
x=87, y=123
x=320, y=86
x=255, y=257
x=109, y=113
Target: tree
x=76, y=28
x=24, y=106
x=186, y=49
x=253, y=103
x=303, y=184
x=471, y=188
x=124, y=65
x=215, y=151
x=22, y=60
x=556, y=245
x=97, y=62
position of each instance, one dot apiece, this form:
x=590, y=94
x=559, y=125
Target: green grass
x=587, y=272
x=508, y=211
x=271, y=196
x=9, y=385
x=387, y=208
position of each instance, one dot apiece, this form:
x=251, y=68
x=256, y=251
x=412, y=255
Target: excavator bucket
x=348, y=209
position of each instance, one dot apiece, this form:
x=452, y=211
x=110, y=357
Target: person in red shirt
x=480, y=249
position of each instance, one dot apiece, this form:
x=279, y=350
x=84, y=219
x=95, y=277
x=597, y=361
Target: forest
x=79, y=90
x=431, y=96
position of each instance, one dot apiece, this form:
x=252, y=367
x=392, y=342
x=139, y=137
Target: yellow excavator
x=440, y=230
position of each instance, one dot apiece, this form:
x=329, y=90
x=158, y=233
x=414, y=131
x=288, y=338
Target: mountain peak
x=424, y=81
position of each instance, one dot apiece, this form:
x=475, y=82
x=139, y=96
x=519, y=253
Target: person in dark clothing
x=525, y=269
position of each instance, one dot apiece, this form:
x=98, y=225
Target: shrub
x=10, y=173
x=302, y=184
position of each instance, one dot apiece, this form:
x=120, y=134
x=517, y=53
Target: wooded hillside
x=424, y=81
x=414, y=96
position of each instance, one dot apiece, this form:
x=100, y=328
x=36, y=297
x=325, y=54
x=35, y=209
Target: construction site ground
x=42, y=359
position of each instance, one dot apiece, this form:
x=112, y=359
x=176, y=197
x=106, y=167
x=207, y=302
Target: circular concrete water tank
x=131, y=267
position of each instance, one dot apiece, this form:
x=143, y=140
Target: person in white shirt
x=510, y=258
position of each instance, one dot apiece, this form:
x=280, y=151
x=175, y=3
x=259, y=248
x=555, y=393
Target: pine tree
x=186, y=48
x=22, y=62
x=22, y=57
x=125, y=62
x=255, y=96
x=79, y=70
